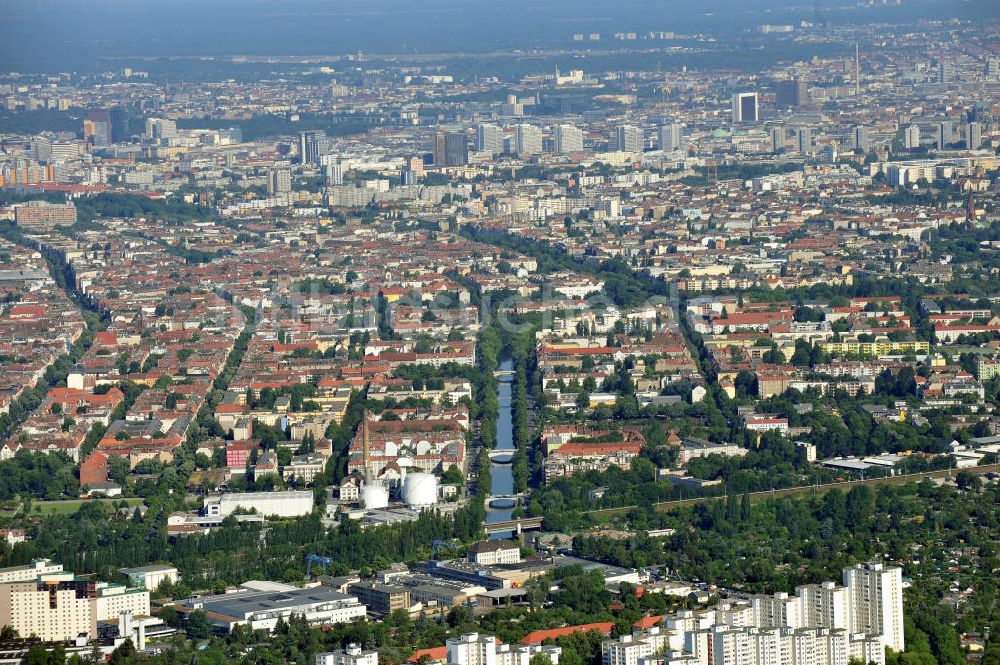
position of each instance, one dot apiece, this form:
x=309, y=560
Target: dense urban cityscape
x=625, y=340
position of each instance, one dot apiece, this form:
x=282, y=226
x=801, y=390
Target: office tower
x=629, y=138
x=64, y=151
x=861, y=143
x=669, y=136
x=489, y=139
x=450, y=149
x=527, y=140
x=568, y=139
x=804, y=135
x=279, y=181
x=973, y=135
x=791, y=93
x=333, y=174
x=993, y=68
x=824, y=605
x=876, y=601
x=160, y=128
x=943, y=135
x=945, y=72
x=41, y=150
x=407, y=177
x=97, y=127
x=456, y=149
x=120, y=130
x=311, y=145
x=777, y=138
x=911, y=137
x=745, y=108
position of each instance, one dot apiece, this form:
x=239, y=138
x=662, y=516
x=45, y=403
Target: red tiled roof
x=649, y=622
x=539, y=636
x=591, y=449
x=434, y=653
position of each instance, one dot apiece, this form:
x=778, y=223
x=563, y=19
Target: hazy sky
x=64, y=33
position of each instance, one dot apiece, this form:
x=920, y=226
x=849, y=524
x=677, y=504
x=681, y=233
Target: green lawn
x=70, y=506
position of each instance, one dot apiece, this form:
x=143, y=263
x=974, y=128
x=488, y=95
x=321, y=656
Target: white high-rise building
x=732, y=646
x=628, y=138
x=333, y=174
x=669, y=137
x=772, y=646
x=627, y=650
x=489, y=139
x=279, y=181
x=911, y=137
x=472, y=649
x=824, y=624
x=824, y=605
x=631, y=649
x=527, y=140
x=876, y=602
x=776, y=611
x=161, y=128
x=568, y=139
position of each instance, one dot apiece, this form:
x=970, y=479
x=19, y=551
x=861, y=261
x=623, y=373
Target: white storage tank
x=374, y=496
x=420, y=489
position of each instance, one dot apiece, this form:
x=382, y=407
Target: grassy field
x=70, y=506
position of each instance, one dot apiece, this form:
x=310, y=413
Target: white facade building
x=669, y=137
x=282, y=504
x=489, y=139
x=628, y=138
x=472, y=649
x=876, y=602
x=823, y=624
x=776, y=611
x=29, y=572
x=477, y=649
x=495, y=552
x=824, y=605
x=568, y=139
x=527, y=140
x=352, y=655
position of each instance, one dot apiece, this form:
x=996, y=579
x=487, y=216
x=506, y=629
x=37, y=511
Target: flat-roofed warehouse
x=261, y=609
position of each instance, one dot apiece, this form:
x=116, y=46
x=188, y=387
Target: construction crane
x=316, y=558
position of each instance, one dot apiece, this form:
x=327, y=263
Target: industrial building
x=279, y=504
x=262, y=606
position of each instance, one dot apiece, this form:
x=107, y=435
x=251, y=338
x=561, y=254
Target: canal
x=502, y=474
